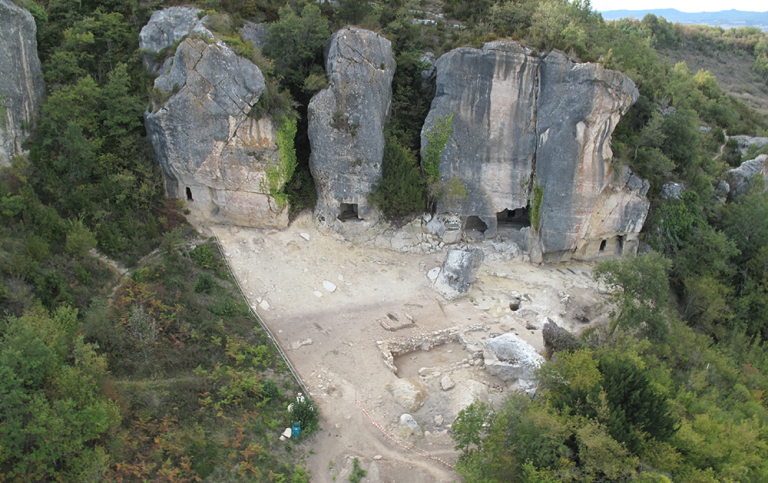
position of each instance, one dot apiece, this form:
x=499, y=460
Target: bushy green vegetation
x=400, y=190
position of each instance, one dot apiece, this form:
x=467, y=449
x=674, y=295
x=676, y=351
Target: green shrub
x=357, y=472
x=400, y=189
x=538, y=198
x=225, y=307
x=270, y=390
x=204, y=256
x=204, y=283
x=305, y=411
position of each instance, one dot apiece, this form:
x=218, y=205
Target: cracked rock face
x=519, y=120
x=211, y=152
x=738, y=178
x=165, y=28
x=21, y=81
x=346, y=128
x=458, y=272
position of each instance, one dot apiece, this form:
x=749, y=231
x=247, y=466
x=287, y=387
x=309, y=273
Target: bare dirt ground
x=331, y=338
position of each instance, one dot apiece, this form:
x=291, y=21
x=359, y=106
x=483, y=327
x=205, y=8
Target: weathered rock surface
x=409, y=427
x=346, y=123
x=408, y=393
x=165, y=28
x=211, y=152
x=745, y=142
x=520, y=120
x=672, y=190
x=491, y=93
x=458, y=272
x=738, y=178
x=557, y=339
x=509, y=357
x=255, y=33
x=21, y=81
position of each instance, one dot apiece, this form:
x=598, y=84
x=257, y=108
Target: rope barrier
x=261, y=322
x=409, y=447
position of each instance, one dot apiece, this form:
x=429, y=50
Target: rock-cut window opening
x=189, y=194
x=475, y=223
x=620, y=245
x=517, y=218
x=348, y=211
x=602, y=245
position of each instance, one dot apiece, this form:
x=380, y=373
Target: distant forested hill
x=725, y=18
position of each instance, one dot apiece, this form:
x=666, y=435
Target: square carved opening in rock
x=348, y=212
x=475, y=223
x=515, y=219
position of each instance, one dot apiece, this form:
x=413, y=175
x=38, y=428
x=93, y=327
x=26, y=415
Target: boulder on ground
x=408, y=393
x=409, y=427
x=458, y=273
x=509, y=357
x=557, y=339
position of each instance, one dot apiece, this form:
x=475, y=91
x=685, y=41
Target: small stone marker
x=304, y=236
x=264, y=304
x=329, y=286
x=446, y=383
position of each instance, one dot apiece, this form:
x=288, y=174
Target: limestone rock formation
x=672, y=190
x=21, y=81
x=745, y=142
x=408, y=393
x=458, y=273
x=165, y=28
x=509, y=357
x=346, y=128
x=211, y=152
x=738, y=178
x=557, y=339
x=520, y=121
x=255, y=33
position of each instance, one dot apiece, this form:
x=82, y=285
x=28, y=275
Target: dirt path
x=331, y=337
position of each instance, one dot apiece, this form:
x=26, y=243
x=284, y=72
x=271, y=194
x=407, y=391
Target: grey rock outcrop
x=521, y=120
x=255, y=33
x=745, y=142
x=458, y=273
x=408, y=393
x=672, y=190
x=346, y=128
x=21, y=81
x=738, y=178
x=211, y=152
x=509, y=357
x=557, y=339
x=164, y=29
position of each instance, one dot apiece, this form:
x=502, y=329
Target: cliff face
x=346, y=127
x=578, y=109
x=211, y=152
x=21, y=80
x=165, y=28
x=521, y=121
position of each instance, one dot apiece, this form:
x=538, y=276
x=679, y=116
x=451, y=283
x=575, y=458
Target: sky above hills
x=682, y=5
